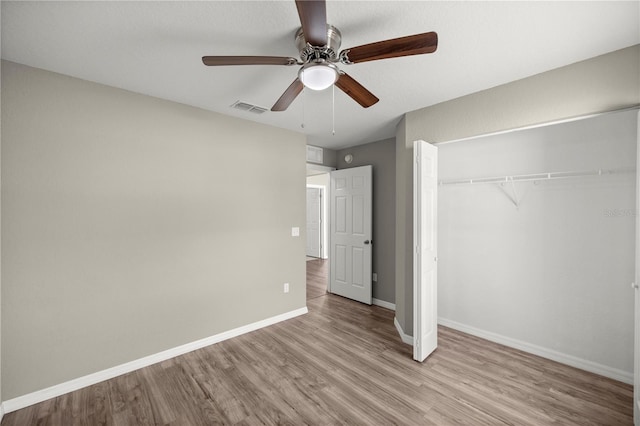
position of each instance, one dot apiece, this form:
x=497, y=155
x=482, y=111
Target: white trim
x=1, y=411
x=583, y=364
x=317, y=169
x=405, y=337
x=383, y=304
x=535, y=126
x=100, y=376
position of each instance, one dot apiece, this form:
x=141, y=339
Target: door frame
x=323, y=214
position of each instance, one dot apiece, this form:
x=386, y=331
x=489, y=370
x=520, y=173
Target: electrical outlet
x=295, y=231
x=374, y=277
x=286, y=287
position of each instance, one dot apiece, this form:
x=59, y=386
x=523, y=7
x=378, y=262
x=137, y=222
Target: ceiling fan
x=318, y=44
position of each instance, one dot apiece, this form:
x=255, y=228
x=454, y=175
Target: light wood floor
x=317, y=273
x=343, y=363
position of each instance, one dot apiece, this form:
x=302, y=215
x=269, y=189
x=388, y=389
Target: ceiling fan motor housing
x=328, y=52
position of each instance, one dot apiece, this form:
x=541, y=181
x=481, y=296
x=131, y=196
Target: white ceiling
x=155, y=48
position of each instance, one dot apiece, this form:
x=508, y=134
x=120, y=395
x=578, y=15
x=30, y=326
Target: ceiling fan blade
x=313, y=17
x=248, y=60
x=357, y=91
x=288, y=96
x=416, y=44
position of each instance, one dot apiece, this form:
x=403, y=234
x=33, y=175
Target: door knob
x=634, y=285
x=367, y=241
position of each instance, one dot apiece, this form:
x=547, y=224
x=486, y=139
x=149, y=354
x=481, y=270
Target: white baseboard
x=405, y=337
x=583, y=364
x=383, y=304
x=1, y=411
x=91, y=379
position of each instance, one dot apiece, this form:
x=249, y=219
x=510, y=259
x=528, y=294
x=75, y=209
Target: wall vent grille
x=314, y=154
x=244, y=106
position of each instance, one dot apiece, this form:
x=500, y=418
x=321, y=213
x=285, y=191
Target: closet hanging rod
x=537, y=176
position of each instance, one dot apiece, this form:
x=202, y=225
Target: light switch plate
x=295, y=231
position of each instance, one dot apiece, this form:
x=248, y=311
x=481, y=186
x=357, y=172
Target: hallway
x=317, y=277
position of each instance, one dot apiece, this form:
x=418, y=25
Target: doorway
x=345, y=234
x=318, y=210
x=314, y=221
x=351, y=234
x=317, y=264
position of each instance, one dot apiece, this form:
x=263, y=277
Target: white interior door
x=425, y=276
x=636, y=355
x=350, y=234
x=314, y=221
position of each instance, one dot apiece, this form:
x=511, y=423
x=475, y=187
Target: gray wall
x=380, y=155
x=130, y=226
x=599, y=84
x=328, y=157
x=555, y=271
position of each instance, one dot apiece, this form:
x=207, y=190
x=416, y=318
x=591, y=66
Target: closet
x=536, y=240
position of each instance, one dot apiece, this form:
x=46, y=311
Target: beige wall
x=381, y=155
x=604, y=83
x=130, y=226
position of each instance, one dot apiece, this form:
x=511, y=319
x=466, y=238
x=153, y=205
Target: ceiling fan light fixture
x=318, y=75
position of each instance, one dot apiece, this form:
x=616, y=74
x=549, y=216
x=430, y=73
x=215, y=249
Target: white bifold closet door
x=425, y=271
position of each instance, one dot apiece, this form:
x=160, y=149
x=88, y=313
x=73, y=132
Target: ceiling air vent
x=243, y=106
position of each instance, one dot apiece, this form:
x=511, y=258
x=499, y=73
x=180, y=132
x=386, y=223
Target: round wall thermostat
x=348, y=158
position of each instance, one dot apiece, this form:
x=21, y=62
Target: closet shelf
x=537, y=176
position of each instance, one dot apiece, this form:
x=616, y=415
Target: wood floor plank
x=342, y=364
x=317, y=272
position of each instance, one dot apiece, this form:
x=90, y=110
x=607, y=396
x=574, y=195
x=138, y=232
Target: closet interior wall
x=552, y=273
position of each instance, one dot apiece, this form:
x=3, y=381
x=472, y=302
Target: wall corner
x=401, y=208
